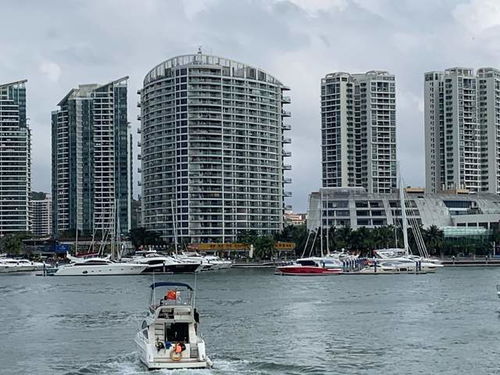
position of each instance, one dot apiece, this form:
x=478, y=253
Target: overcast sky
x=57, y=45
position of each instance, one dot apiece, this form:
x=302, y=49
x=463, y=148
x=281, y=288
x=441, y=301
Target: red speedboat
x=311, y=267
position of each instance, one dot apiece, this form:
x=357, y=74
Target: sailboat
x=324, y=265
x=402, y=258
x=99, y=266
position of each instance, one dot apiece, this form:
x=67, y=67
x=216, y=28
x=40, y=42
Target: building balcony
x=287, y=140
x=287, y=154
x=139, y=157
x=286, y=127
x=139, y=170
x=286, y=99
x=139, y=92
x=287, y=194
x=139, y=183
x=287, y=207
x=138, y=104
x=287, y=167
x=286, y=113
x=139, y=131
x=138, y=117
x=287, y=180
x=285, y=88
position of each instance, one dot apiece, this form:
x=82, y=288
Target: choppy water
x=257, y=323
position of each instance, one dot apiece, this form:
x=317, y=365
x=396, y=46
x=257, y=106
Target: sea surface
x=255, y=322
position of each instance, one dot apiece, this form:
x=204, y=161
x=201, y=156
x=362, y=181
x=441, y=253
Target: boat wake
x=130, y=364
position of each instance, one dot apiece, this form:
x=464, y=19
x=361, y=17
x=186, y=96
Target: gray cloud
x=62, y=44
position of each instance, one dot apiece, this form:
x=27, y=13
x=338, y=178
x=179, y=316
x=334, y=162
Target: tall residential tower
x=212, y=149
x=462, y=130
x=358, y=129
x=15, y=159
x=91, y=160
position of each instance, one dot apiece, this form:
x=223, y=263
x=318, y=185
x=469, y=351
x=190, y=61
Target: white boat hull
x=101, y=270
x=155, y=359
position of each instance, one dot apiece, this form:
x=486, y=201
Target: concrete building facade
x=462, y=130
x=355, y=207
x=212, y=139
x=358, y=131
x=92, y=160
x=15, y=159
x=41, y=210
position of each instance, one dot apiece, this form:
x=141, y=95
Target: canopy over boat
x=169, y=283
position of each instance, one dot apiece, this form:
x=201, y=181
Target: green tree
x=143, y=237
x=264, y=247
x=433, y=238
x=12, y=243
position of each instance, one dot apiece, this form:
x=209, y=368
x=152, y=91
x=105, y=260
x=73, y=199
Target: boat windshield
x=171, y=295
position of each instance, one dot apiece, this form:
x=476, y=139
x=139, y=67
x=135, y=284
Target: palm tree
x=342, y=237
x=433, y=237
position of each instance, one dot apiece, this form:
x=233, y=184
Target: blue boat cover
x=169, y=283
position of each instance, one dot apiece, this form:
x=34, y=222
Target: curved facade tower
x=212, y=149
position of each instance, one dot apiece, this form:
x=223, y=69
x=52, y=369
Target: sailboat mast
x=174, y=224
x=321, y=220
x=403, y=213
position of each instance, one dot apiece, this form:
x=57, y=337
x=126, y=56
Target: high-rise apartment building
x=41, y=213
x=92, y=161
x=462, y=130
x=15, y=159
x=212, y=134
x=358, y=129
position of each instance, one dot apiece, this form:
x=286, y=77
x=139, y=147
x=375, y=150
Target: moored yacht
x=158, y=263
x=413, y=262
x=388, y=266
x=99, y=267
x=11, y=265
x=169, y=336
x=313, y=266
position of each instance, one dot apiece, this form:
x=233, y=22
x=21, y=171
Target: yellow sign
x=285, y=246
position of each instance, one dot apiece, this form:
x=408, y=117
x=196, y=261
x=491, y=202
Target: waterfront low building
x=355, y=207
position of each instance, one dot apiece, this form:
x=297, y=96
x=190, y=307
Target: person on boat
x=171, y=295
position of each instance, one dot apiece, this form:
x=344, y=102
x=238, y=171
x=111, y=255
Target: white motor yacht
x=387, y=266
x=218, y=262
x=169, y=337
x=99, y=267
x=10, y=265
x=159, y=263
x=411, y=261
x=204, y=264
